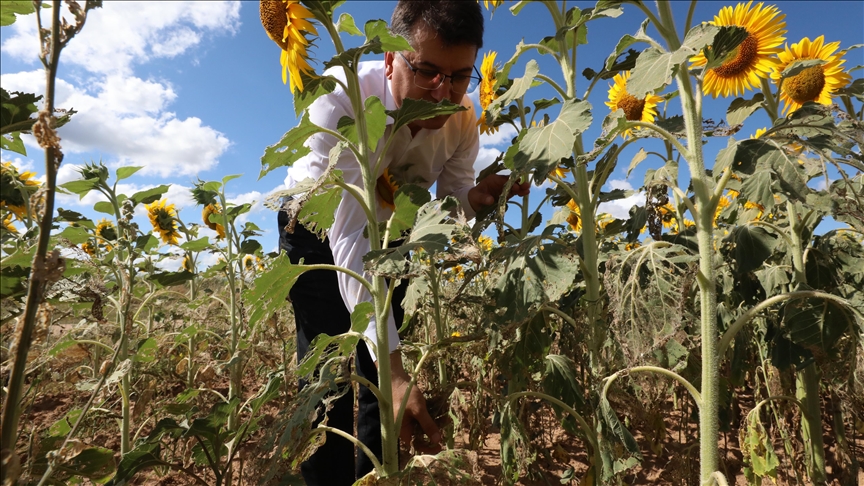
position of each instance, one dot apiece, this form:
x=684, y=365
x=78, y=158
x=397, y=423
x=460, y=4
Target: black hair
x=457, y=22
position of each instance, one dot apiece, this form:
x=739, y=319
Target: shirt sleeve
x=347, y=241
x=457, y=176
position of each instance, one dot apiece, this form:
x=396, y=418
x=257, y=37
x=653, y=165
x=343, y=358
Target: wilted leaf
x=740, y=109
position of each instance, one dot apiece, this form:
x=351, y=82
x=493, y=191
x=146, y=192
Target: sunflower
x=164, y=220
x=106, y=230
x=14, y=187
x=6, y=224
x=495, y=4
x=816, y=83
x=386, y=189
x=753, y=59
x=635, y=109
x=485, y=242
x=89, y=248
x=285, y=23
x=209, y=209
x=188, y=264
x=251, y=263
x=575, y=217
x=723, y=203
x=632, y=246
x=488, y=93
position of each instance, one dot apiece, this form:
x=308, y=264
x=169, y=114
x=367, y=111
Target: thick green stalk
x=709, y=427
x=389, y=434
x=39, y=276
x=235, y=384
x=807, y=379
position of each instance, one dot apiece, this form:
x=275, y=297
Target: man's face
x=429, y=54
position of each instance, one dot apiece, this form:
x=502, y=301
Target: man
x=446, y=37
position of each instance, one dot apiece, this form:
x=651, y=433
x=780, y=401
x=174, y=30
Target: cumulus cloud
x=126, y=120
x=620, y=208
x=121, y=117
x=122, y=34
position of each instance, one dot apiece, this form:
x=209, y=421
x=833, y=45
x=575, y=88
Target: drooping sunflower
x=495, y=4
x=14, y=187
x=163, y=217
x=386, y=188
x=575, y=217
x=89, y=248
x=188, y=264
x=6, y=224
x=213, y=208
x=286, y=25
x=753, y=59
x=635, y=109
x=816, y=83
x=106, y=230
x=488, y=92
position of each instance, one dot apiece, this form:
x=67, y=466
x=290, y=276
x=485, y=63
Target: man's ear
x=388, y=64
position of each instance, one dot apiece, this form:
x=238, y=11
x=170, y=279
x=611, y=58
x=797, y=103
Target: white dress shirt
x=445, y=156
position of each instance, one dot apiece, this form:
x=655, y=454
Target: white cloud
x=504, y=135
x=121, y=34
x=122, y=118
x=620, y=208
x=126, y=119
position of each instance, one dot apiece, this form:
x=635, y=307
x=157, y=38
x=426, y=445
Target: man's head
x=446, y=36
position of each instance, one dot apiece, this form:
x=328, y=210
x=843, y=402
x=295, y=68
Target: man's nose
x=441, y=91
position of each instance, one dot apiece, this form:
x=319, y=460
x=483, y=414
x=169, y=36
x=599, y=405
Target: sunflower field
x=714, y=336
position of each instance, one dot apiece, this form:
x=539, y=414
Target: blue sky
x=194, y=90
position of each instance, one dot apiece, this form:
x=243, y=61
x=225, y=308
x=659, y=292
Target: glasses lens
x=463, y=84
x=427, y=79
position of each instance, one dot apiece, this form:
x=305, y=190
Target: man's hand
x=415, y=410
x=488, y=191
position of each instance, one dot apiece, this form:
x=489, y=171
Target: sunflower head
x=488, y=92
x=89, y=248
x=94, y=171
x=485, y=242
x=188, y=265
x=491, y=5
x=386, y=188
x=163, y=217
x=203, y=196
x=635, y=109
x=16, y=188
x=816, y=83
x=753, y=59
x=106, y=230
x=209, y=210
x=286, y=25
x=6, y=224
x=575, y=217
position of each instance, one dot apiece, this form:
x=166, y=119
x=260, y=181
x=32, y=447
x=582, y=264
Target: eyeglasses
x=430, y=80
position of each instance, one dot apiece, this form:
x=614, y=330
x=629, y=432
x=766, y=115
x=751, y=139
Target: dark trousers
x=319, y=309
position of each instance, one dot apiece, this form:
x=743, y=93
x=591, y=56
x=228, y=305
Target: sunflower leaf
x=290, y=148
x=740, y=109
x=271, y=288
x=542, y=148
x=654, y=69
x=517, y=90
x=378, y=30
x=314, y=87
x=796, y=67
x=408, y=199
x=700, y=36
x=346, y=24
x=125, y=172
x=104, y=207
x=319, y=212
x=149, y=195
x=727, y=39
x=749, y=247
x=412, y=110
x=9, y=9
x=196, y=245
